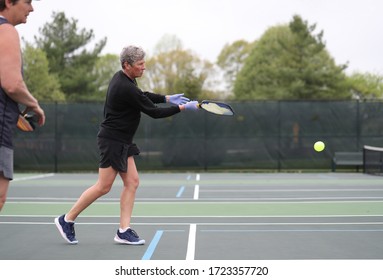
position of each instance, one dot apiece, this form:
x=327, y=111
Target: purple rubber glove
x=178, y=99
x=191, y=106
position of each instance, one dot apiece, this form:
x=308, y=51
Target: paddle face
x=217, y=108
x=26, y=123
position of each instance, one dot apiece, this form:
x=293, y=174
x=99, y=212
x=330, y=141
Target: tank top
x=9, y=113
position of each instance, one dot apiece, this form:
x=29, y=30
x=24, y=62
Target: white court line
x=293, y=230
x=196, y=187
x=190, y=253
x=196, y=192
x=31, y=199
x=208, y=217
x=192, y=231
x=287, y=199
x=42, y=176
x=292, y=190
x=208, y=202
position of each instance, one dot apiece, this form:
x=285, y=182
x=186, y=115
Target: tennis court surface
x=202, y=216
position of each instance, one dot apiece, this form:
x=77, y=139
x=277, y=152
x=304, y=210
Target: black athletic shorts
x=114, y=153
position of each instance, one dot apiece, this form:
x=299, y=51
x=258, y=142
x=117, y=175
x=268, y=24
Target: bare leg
x=4, y=184
x=106, y=177
x=128, y=194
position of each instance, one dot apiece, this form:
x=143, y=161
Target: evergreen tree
x=65, y=47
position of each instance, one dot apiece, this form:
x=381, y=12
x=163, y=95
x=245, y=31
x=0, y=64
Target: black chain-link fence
x=269, y=135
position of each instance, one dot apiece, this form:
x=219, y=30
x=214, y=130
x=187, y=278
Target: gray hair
x=131, y=54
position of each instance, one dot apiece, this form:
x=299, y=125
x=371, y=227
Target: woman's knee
x=105, y=180
x=103, y=188
x=134, y=182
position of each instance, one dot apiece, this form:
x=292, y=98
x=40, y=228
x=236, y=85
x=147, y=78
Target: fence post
x=358, y=125
x=56, y=138
x=279, y=136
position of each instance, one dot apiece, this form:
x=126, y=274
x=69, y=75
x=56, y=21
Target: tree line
x=288, y=61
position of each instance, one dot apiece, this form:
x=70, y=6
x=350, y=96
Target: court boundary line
x=291, y=230
x=206, y=224
x=190, y=252
x=208, y=202
x=34, y=177
x=196, y=192
x=223, y=217
x=291, y=190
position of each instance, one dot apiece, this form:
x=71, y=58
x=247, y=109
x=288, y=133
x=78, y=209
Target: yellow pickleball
x=319, y=146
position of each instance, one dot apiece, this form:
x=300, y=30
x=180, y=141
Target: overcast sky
x=352, y=28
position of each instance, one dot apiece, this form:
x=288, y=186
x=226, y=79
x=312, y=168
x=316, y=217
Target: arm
x=184, y=102
x=11, y=79
x=146, y=104
x=175, y=99
x=155, y=97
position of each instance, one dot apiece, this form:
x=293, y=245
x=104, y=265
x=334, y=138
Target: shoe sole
x=63, y=233
x=124, y=241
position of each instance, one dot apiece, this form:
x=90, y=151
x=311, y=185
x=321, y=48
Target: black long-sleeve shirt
x=123, y=106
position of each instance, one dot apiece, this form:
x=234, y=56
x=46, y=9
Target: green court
x=202, y=216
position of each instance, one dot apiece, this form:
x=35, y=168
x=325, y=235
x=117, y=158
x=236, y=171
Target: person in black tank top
x=13, y=90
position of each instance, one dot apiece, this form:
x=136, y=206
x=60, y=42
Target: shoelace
x=134, y=233
x=71, y=228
